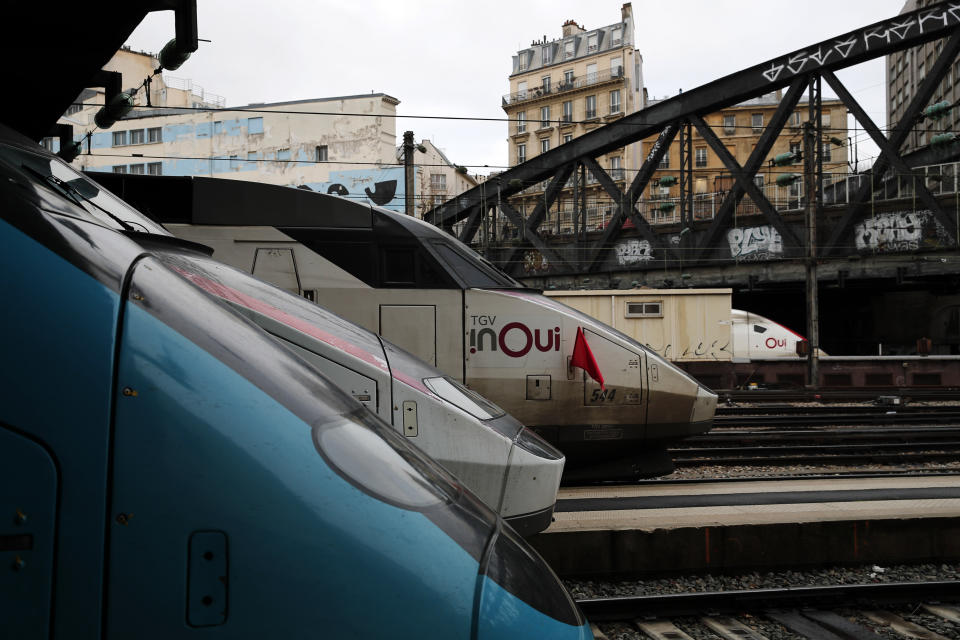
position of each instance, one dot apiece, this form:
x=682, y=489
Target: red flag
x=583, y=358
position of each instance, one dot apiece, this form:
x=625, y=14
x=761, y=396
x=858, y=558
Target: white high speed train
x=425, y=291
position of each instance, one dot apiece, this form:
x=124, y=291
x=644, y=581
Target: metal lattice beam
x=754, y=163
x=842, y=230
x=873, y=41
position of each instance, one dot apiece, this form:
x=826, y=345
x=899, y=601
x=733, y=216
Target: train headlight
x=704, y=406
x=536, y=445
x=371, y=456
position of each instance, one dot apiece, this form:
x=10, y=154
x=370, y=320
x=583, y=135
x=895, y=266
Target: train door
x=622, y=370
x=411, y=327
x=28, y=504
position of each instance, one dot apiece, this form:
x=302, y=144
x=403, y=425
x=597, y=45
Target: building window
x=120, y=168
x=251, y=156
x=47, y=143
x=522, y=61
x=827, y=155
x=217, y=127
x=321, y=152
x=546, y=54
x=136, y=137
x=521, y=153
x=729, y=124
x=795, y=119
x=283, y=154
x=701, y=156
x=234, y=162
x=567, y=137
x=616, y=68
x=644, y=310
x=254, y=125
x=154, y=169
x=825, y=119
x=591, y=43
x=544, y=145
x=615, y=101
x=545, y=83
x=591, y=73
x=567, y=111
x=616, y=169
x=665, y=160
x=591, y=107
x=568, y=77
x=438, y=182
x=758, y=180
x=522, y=122
x=119, y=139
x=795, y=150
x=137, y=169
x=154, y=134
x=522, y=90
x=544, y=117
x=569, y=49
x=756, y=121
x=616, y=37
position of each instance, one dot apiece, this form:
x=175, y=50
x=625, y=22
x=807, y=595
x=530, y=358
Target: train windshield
x=464, y=398
x=100, y=205
x=471, y=268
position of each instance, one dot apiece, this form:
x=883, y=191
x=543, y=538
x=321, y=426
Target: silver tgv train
x=427, y=292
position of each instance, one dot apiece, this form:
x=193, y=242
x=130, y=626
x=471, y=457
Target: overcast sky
x=440, y=58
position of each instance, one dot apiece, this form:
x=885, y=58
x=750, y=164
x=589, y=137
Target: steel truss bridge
x=826, y=219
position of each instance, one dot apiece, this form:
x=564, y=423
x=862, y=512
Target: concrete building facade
x=904, y=72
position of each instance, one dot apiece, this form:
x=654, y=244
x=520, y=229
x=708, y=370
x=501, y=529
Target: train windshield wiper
x=75, y=195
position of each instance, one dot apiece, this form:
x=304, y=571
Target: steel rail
x=625, y=608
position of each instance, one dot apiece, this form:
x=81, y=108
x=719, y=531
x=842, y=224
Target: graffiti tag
x=898, y=231
x=533, y=261
x=755, y=243
x=634, y=252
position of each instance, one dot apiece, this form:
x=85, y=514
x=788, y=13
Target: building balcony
x=587, y=80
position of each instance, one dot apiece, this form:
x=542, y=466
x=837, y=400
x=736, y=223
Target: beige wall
x=694, y=326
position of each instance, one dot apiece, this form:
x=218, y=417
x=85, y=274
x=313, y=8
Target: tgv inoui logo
x=515, y=339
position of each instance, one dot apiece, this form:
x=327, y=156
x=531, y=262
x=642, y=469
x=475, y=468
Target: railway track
x=830, y=612
x=906, y=453
x=777, y=416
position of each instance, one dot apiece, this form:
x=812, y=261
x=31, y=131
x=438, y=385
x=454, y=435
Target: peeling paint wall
x=356, y=135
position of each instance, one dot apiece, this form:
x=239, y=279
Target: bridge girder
x=795, y=70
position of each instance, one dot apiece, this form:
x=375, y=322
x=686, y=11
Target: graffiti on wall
x=716, y=350
x=634, y=252
x=755, y=243
x=381, y=187
x=534, y=262
x=898, y=231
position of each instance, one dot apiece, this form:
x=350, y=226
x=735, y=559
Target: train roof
x=373, y=244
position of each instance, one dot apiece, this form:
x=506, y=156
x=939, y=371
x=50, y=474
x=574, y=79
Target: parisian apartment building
x=739, y=128
x=344, y=145
x=561, y=88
